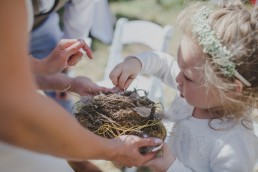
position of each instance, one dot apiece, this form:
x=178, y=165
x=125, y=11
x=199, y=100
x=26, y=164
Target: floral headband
x=212, y=46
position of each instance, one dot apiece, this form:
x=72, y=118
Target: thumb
x=150, y=141
x=74, y=58
x=74, y=48
x=151, y=163
x=148, y=158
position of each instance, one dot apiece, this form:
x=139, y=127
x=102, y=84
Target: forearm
x=37, y=66
x=57, y=81
x=165, y=66
x=49, y=130
x=30, y=120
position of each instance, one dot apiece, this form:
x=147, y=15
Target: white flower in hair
x=212, y=46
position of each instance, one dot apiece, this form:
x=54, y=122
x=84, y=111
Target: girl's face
x=191, y=82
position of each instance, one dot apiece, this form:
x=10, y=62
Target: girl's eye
x=188, y=79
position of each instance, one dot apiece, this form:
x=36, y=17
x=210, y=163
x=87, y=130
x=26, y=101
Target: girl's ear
x=239, y=86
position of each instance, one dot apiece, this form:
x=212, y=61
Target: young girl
x=216, y=74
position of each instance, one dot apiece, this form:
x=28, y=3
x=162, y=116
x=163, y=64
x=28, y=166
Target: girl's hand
x=66, y=53
x=83, y=166
x=124, y=73
x=84, y=86
x=162, y=163
x=125, y=150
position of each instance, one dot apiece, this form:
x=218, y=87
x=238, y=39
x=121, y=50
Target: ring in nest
x=117, y=114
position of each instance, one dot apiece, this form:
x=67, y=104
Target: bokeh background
x=162, y=12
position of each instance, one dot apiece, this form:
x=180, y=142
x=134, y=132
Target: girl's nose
x=179, y=78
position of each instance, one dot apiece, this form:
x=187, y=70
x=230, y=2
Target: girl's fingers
x=128, y=82
x=114, y=76
x=148, y=157
x=122, y=80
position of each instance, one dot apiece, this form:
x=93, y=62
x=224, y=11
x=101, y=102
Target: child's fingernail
x=158, y=141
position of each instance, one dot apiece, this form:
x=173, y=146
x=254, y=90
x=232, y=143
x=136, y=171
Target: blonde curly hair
x=236, y=27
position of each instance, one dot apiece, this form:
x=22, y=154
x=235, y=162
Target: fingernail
x=158, y=141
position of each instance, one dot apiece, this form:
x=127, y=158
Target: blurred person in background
x=46, y=33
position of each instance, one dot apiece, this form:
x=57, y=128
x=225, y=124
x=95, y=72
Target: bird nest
x=126, y=113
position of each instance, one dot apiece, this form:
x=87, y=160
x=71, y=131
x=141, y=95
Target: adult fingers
x=98, y=89
x=87, y=49
x=150, y=141
x=75, y=58
x=65, y=43
x=74, y=48
x=106, y=90
x=150, y=163
x=148, y=157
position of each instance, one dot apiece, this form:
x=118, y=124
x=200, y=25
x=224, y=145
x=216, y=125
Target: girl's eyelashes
x=188, y=79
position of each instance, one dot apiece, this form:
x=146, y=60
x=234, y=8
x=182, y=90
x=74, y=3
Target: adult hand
x=84, y=86
x=124, y=73
x=162, y=163
x=125, y=150
x=83, y=166
x=66, y=53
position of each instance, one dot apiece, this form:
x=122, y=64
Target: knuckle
x=75, y=48
x=112, y=74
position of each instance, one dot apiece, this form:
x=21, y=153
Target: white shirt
x=77, y=18
x=198, y=147
x=82, y=17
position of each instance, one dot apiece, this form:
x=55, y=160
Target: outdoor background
x=163, y=12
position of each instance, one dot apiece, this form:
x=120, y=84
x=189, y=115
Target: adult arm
x=61, y=82
x=165, y=67
x=37, y=123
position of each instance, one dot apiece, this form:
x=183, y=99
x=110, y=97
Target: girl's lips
x=181, y=95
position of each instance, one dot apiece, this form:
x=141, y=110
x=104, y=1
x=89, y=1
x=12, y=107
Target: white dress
x=198, y=147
